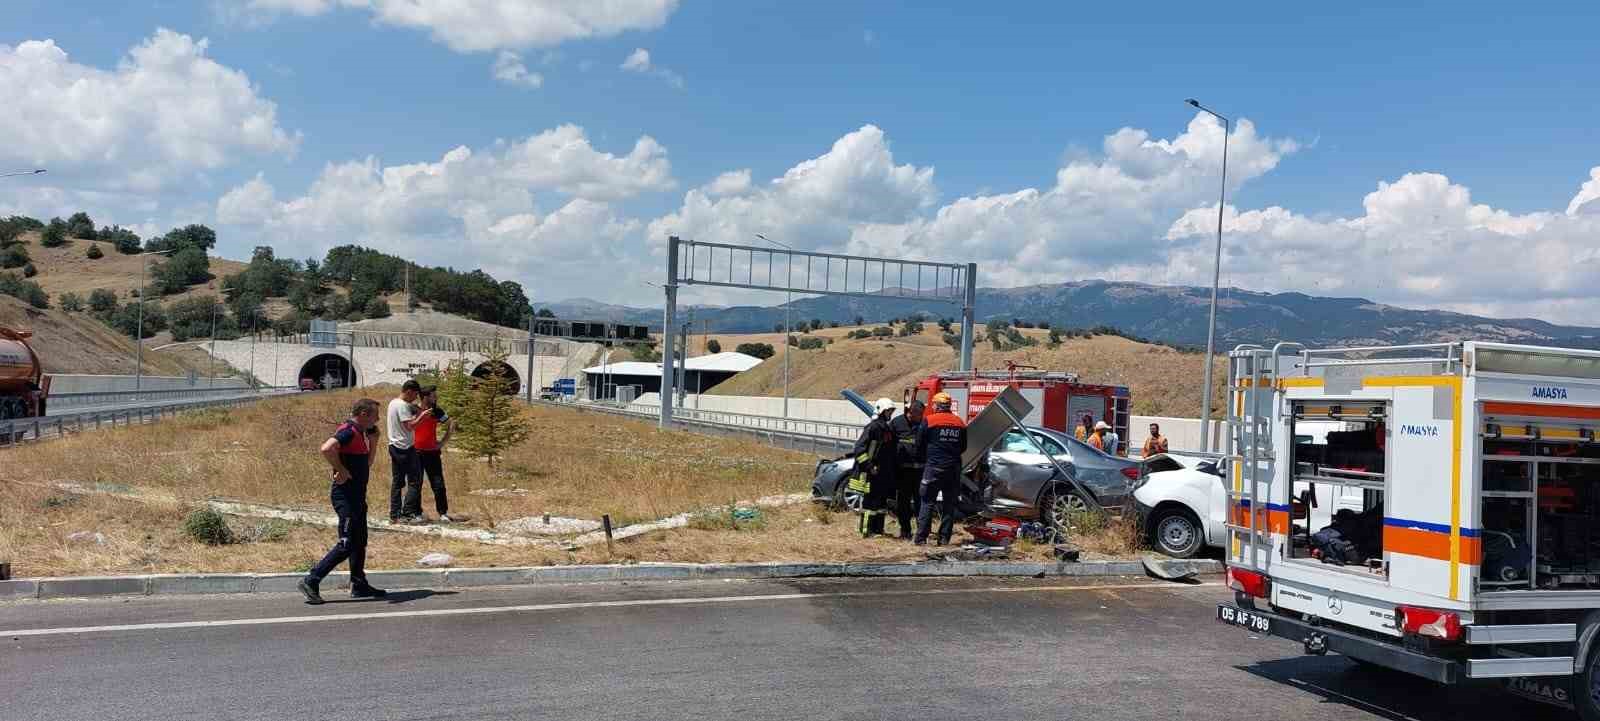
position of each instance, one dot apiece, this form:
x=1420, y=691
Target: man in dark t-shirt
x=349, y=453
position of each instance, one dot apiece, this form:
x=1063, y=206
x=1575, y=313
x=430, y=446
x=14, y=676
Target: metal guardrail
x=19, y=430
x=115, y=398
x=729, y=424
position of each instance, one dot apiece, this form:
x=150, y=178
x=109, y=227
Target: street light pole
x=1216, y=280
x=138, y=353
x=788, y=324
x=21, y=172
x=214, y=305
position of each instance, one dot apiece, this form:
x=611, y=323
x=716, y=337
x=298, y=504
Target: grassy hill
x=1161, y=380
x=77, y=343
x=66, y=269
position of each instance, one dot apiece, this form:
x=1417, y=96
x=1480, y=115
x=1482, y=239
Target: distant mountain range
x=1171, y=314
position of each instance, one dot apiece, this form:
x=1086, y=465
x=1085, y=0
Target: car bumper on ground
x=1318, y=640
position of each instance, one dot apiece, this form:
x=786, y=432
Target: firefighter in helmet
x=940, y=445
x=873, y=476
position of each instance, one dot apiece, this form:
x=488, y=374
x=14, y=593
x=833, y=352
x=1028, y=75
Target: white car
x=1183, y=505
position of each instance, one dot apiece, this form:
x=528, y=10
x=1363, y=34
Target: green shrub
x=13, y=285
x=72, y=302
x=94, y=252
x=208, y=527
x=28, y=271
x=270, y=531
x=14, y=256
x=759, y=350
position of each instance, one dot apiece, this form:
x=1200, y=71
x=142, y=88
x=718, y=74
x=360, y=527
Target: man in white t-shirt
x=404, y=465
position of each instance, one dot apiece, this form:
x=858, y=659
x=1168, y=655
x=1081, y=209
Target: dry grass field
x=576, y=464
x=1161, y=380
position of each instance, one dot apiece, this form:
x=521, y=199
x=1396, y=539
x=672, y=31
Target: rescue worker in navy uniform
x=908, y=471
x=874, y=455
x=940, y=445
x=349, y=454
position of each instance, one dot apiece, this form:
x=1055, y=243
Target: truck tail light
x=1428, y=622
x=1248, y=582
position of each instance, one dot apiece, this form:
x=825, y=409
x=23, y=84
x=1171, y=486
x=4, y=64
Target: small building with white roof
x=635, y=378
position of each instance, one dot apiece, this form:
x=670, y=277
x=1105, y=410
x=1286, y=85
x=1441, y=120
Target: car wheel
x=1176, y=532
x=845, y=499
x=1058, y=509
x=1586, y=694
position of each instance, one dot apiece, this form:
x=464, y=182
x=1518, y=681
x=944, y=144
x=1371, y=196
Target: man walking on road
x=433, y=431
x=349, y=453
x=908, y=471
x=940, y=445
x=404, y=466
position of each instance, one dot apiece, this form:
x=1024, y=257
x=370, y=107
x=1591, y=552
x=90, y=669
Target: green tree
x=13, y=285
x=187, y=267
x=14, y=256
x=94, y=252
x=758, y=350
x=189, y=236
x=1055, y=338
x=102, y=301
x=80, y=226
x=126, y=241
x=191, y=318
x=28, y=271
x=55, y=234
x=712, y=346
x=544, y=313
x=16, y=225
x=645, y=353
x=377, y=308
x=490, y=420
x=72, y=302
x=127, y=319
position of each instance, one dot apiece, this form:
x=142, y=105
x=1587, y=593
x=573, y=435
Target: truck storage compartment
x=1337, y=492
x=1541, y=502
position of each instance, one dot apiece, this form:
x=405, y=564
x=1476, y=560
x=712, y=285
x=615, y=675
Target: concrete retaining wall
x=82, y=383
x=279, y=364
x=1182, y=433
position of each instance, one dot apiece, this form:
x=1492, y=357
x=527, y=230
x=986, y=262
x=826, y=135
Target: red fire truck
x=1058, y=399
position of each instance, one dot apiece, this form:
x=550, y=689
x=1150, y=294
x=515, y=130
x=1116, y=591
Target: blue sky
x=902, y=108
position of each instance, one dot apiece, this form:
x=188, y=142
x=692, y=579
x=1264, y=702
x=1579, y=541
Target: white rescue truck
x=1472, y=547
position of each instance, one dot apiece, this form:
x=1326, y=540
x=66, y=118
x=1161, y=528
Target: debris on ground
x=1067, y=553
x=548, y=525
x=746, y=513
x=435, y=560
x=94, y=537
x=499, y=492
x=1167, y=569
x=972, y=552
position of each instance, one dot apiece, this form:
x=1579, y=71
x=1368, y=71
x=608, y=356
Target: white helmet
x=883, y=404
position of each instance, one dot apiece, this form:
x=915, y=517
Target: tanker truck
x=23, y=384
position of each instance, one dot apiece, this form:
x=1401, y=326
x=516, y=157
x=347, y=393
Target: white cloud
x=1420, y=241
x=163, y=114
x=639, y=62
x=469, y=208
x=733, y=182
x=1587, y=201
x=485, y=25
x=508, y=69
x=815, y=205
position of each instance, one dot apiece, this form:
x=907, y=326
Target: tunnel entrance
x=486, y=369
x=327, y=370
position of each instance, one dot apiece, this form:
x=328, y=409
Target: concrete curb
x=184, y=584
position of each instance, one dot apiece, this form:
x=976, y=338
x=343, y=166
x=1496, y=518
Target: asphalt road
x=800, y=649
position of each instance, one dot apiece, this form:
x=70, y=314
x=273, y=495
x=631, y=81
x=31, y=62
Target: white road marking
x=530, y=608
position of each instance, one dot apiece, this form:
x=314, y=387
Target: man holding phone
x=433, y=431
x=404, y=465
x=349, y=454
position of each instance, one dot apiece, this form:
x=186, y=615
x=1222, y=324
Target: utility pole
x=214, y=305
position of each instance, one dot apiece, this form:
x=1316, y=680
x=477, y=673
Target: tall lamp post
x=1216, y=280
x=788, y=327
x=138, y=353
x=21, y=172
